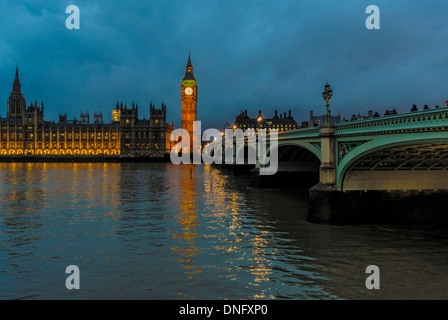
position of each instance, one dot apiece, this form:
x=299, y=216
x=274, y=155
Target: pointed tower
x=189, y=97
x=16, y=86
x=16, y=101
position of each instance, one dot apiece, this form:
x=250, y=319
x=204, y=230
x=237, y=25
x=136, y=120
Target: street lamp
x=328, y=92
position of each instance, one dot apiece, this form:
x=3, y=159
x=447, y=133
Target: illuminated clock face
x=188, y=91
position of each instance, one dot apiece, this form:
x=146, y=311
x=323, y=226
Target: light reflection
x=229, y=207
x=214, y=232
x=18, y=204
x=29, y=189
x=187, y=217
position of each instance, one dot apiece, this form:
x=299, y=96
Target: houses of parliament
x=24, y=131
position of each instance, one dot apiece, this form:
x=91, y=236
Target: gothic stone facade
x=281, y=123
x=25, y=132
x=189, y=98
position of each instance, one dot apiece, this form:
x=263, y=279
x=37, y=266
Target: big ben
x=189, y=96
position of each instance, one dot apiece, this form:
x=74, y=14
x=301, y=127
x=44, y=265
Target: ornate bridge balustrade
x=435, y=119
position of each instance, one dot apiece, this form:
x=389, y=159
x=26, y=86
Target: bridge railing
x=426, y=119
x=300, y=133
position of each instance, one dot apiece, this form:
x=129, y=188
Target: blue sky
x=247, y=54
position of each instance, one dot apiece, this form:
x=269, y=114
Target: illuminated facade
x=25, y=132
x=189, y=97
x=116, y=115
x=281, y=123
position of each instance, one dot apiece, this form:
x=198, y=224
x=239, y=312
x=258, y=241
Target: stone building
x=25, y=132
x=280, y=122
x=317, y=121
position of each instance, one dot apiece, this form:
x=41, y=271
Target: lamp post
x=328, y=144
x=328, y=92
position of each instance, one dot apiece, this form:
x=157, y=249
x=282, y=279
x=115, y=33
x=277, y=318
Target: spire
x=189, y=64
x=16, y=86
x=189, y=69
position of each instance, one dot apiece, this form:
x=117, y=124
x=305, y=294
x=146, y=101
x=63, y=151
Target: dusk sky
x=247, y=54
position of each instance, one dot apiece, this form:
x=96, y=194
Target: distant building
x=361, y=117
x=25, y=132
x=98, y=117
x=144, y=137
x=226, y=126
x=281, y=123
x=317, y=121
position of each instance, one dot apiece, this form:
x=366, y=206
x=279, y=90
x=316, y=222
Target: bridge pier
x=325, y=197
x=331, y=206
x=325, y=204
x=328, y=162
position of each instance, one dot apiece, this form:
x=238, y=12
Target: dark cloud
x=253, y=55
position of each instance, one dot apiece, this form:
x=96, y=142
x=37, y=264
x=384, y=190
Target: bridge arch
x=297, y=167
x=384, y=162
x=282, y=146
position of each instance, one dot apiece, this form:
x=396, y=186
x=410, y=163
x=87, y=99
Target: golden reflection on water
x=223, y=207
x=187, y=217
x=86, y=191
x=213, y=238
x=29, y=186
x=65, y=190
x=230, y=203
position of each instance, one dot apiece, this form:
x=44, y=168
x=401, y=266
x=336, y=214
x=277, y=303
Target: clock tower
x=189, y=97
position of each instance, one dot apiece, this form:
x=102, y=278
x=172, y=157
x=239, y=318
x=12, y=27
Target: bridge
x=391, y=168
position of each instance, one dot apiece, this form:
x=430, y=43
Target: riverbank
x=80, y=158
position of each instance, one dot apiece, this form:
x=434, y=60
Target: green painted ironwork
x=360, y=138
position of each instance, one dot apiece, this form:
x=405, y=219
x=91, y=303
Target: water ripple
x=150, y=231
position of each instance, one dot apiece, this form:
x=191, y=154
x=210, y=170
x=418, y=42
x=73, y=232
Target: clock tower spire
x=189, y=97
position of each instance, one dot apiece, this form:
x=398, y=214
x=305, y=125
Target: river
x=153, y=231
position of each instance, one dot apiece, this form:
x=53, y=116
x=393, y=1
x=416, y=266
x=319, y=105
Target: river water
x=152, y=231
